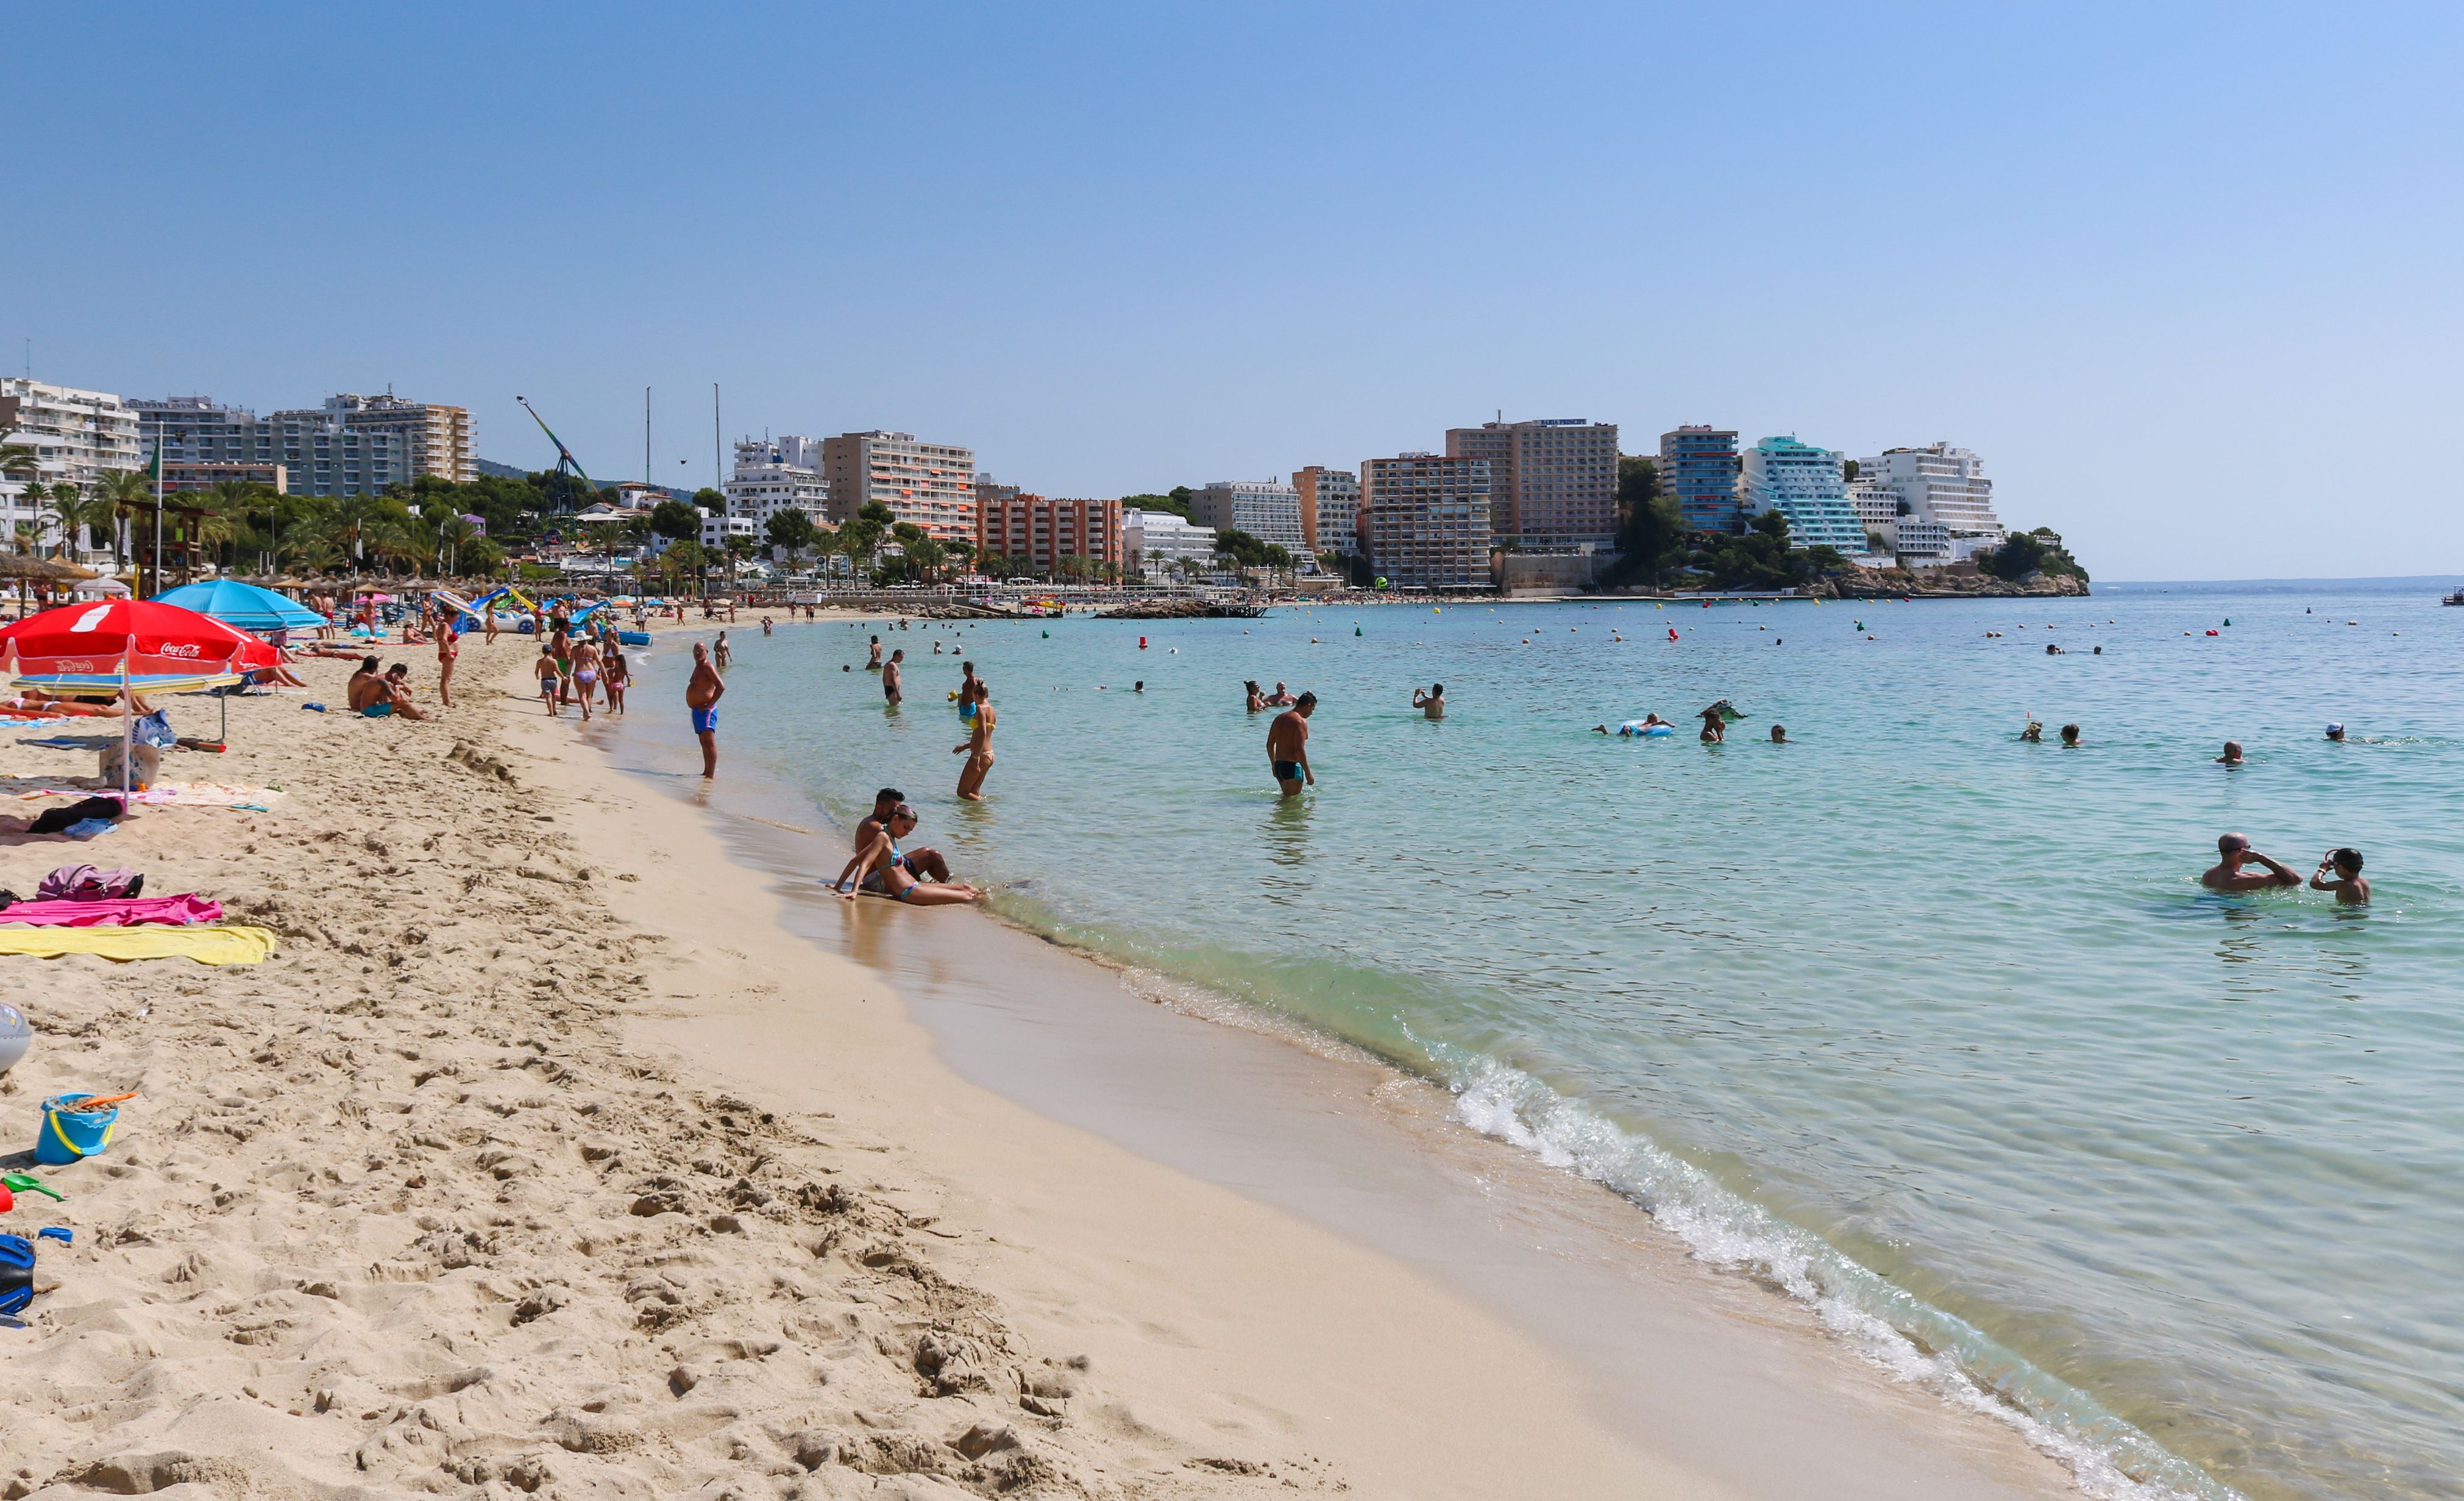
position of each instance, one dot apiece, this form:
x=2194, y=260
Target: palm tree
x=452, y=535
x=64, y=498
x=352, y=518
x=122, y=493
x=80, y=518
x=304, y=546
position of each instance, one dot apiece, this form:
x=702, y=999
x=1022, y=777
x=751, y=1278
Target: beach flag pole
x=127, y=729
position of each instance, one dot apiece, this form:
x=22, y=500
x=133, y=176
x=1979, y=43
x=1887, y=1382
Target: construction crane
x=564, y=459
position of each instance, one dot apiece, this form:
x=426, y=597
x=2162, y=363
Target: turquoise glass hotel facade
x=1807, y=486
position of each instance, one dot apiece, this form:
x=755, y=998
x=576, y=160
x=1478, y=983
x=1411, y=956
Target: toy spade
x=29, y=1183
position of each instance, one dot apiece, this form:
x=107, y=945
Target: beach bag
x=144, y=761
x=155, y=730
x=85, y=883
x=16, y=1273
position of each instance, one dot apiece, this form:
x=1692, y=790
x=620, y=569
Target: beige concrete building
x=1427, y=521
x=438, y=439
x=1329, y=508
x=1553, y=481
x=930, y=484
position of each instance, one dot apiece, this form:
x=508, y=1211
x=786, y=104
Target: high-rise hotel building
x=1805, y=485
x=1553, y=481
x=1329, y=507
x=1266, y=509
x=1940, y=484
x=1427, y=521
x=1698, y=466
x=930, y=484
x=1031, y=529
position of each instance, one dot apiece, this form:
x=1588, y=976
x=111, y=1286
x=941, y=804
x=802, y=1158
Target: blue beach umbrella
x=243, y=604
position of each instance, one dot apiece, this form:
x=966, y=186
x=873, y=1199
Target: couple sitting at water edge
x=2233, y=851
x=920, y=877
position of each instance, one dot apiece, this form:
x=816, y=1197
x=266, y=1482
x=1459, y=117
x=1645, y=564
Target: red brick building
x=1040, y=532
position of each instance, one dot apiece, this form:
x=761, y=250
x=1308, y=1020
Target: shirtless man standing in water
x=1287, y=745
x=2233, y=852
x=978, y=749
x=890, y=672
x=701, y=695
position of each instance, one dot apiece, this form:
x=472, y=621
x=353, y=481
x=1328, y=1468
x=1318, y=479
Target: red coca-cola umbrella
x=128, y=645
x=143, y=646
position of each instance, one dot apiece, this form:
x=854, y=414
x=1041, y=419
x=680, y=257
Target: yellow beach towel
x=232, y=945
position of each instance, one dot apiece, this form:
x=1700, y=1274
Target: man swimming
x=2350, y=888
x=1287, y=745
x=2232, y=756
x=2233, y=852
x=702, y=691
x=1432, y=703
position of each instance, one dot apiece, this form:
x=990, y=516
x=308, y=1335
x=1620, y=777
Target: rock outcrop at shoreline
x=1858, y=584
x=397, y=1213
x=1183, y=609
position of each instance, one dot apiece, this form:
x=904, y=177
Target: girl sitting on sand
x=882, y=857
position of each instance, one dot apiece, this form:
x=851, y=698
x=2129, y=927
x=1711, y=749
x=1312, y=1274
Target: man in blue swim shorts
x=1288, y=746
x=702, y=692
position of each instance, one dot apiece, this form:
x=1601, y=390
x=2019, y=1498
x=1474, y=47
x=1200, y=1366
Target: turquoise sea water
x=1932, y=1028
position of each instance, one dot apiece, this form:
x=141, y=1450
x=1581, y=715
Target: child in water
x=2349, y=887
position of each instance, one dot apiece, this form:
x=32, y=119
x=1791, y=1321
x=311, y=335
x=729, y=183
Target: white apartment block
x=1941, y=484
x=1920, y=545
x=1329, y=508
x=1268, y=510
x=768, y=480
x=437, y=439
x=1878, y=504
x=718, y=530
x=77, y=436
x=1157, y=541
x=930, y=484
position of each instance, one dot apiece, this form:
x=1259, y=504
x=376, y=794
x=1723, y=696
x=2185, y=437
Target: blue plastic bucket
x=68, y=1135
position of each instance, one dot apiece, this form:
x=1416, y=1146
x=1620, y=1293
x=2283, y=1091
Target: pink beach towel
x=122, y=911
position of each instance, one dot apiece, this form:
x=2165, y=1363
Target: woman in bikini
x=586, y=674
x=618, y=678
x=897, y=881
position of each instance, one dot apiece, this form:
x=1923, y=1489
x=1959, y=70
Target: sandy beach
x=553, y=1154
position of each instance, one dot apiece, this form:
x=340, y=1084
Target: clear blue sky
x=2186, y=276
